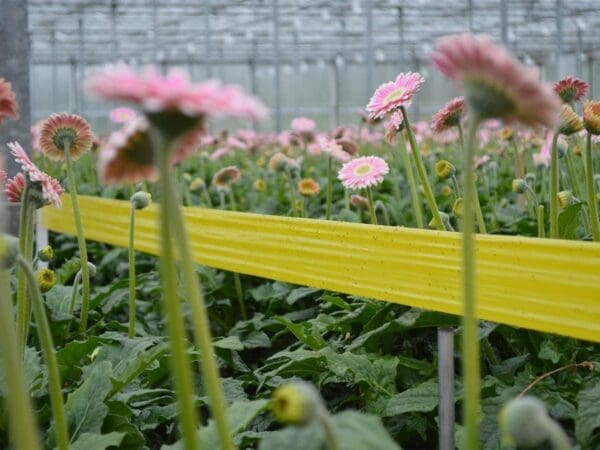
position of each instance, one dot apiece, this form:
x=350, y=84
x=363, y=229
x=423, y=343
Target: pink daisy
x=333, y=149
x=363, y=172
x=303, y=125
x=571, y=89
x=122, y=114
x=393, y=94
x=449, y=116
x=61, y=130
x=15, y=187
x=174, y=93
x=8, y=101
x=496, y=84
x=51, y=188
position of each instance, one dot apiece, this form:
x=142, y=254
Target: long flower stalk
x=23, y=429
x=175, y=224
x=45, y=337
x=591, y=192
x=132, y=291
x=422, y=173
x=26, y=225
x=85, y=273
x=412, y=185
x=576, y=187
x=329, y=187
x=180, y=360
x=554, y=188
x=371, y=207
x=470, y=336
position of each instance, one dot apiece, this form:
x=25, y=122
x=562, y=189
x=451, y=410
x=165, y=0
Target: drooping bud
x=446, y=191
x=46, y=279
x=519, y=186
x=444, y=169
x=296, y=404
x=46, y=253
x=141, y=200
x=566, y=199
x=457, y=208
x=197, y=185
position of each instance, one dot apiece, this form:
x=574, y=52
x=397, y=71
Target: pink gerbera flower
x=393, y=127
x=15, y=187
x=8, y=101
x=122, y=114
x=571, y=89
x=363, y=172
x=333, y=149
x=51, y=188
x=393, y=94
x=61, y=131
x=496, y=84
x=449, y=116
x=303, y=125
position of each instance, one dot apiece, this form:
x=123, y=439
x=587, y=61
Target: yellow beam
x=539, y=284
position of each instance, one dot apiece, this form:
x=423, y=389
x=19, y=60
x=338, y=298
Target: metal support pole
x=221, y=54
x=114, y=41
x=446, y=388
x=14, y=48
x=207, y=39
x=297, y=76
x=370, y=48
x=470, y=14
x=334, y=89
x=155, y=32
x=54, y=69
x=277, y=63
x=590, y=77
x=402, y=46
x=559, y=38
x=253, y=84
x=80, y=67
x=579, y=56
x=504, y=22
x=73, y=98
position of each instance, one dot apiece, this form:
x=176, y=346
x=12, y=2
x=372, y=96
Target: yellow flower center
x=395, y=95
x=363, y=170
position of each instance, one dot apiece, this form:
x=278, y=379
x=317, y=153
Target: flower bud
x=260, y=185
x=141, y=199
x=444, y=169
x=457, y=208
x=524, y=422
x=445, y=220
x=446, y=191
x=197, y=185
x=519, y=186
x=92, y=269
x=566, y=199
x=506, y=134
x=9, y=251
x=296, y=403
x=530, y=178
x=569, y=122
x=46, y=253
x=186, y=177
x=46, y=279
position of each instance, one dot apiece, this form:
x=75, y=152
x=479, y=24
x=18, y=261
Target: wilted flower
x=8, y=101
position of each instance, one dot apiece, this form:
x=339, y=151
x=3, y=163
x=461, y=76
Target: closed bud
x=446, y=191
x=91, y=269
x=260, y=185
x=457, y=208
x=444, y=169
x=566, y=199
x=530, y=178
x=296, y=404
x=46, y=279
x=141, y=200
x=197, y=185
x=186, y=177
x=45, y=254
x=445, y=220
x=570, y=122
x=519, y=186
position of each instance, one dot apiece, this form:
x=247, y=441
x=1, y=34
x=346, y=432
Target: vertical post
x=417, y=103
x=14, y=48
x=445, y=341
x=155, y=49
x=402, y=46
x=221, y=62
x=334, y=89
x=579, y=62
x=504, y=22
x=277, y=63
x=470, y=14
x=113, y=31
x=80, y=67
x=559, y=38
x=370, y=48
x=207, y=39
x=297, y=75
x=54, y=69
x=590, y=77
x=73, y=98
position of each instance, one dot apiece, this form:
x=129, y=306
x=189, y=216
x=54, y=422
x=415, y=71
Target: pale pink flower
x=571, y=89
x=363, y=172
x=303, y=125
x=61, y=130
x=173, y=92
x=313, y=149
x=333, y=149
x=8, y=101
x=219, y=153
x=51, y=188
x=422, y=130
x=15, y=187
x=481, y=161
x=236, y=144
x=122, y=114
x=359, y=201
x=449, y=116
x=446, y=137
x=393, y=94
x=496, y=84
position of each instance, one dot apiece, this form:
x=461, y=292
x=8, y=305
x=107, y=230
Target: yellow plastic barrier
x=539, y=284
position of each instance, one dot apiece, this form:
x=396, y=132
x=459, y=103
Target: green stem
x=45, y=337
x=518, y=167
x=412, y=184
x=330, y=437
x=422, y=173
x=180, y=360
x=26, y=248
x=23, y=429
x=292, y=192
x=240, y=295
x=131, y=330
x=207, y=198
x=76, y=282
x=489, y=351
x=371, y=206
x=196, y=301
x=456, y=187
x=554, y=188
x=558, y=437
x=329, y=188
x=232, y=202
x=576, y=188
x=478, y=211
x=591, y=192
x=470, y=338
x=85, y=272
x=540, y=221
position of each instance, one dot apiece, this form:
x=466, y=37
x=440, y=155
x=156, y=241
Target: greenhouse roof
x=289, y=31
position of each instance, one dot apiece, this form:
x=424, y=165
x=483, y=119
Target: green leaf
x=95, y=441
x=309, y=437
x=67, y=270
x=588, y=411
x=357, y=431
x=229, y=343
x=85, y=409
x=299, y=294
x=568, y=221
x=421, y=398
x=337, y=301
x=304, y=332
x=549, y=352
x=58, y=299
x=35, y=375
